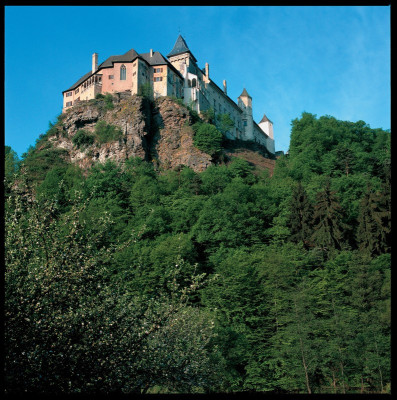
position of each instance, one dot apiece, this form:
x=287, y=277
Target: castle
x=177, y=75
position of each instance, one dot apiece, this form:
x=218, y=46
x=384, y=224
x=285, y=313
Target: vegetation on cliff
x=124, y=278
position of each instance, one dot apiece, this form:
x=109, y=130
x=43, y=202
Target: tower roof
x=245, y=94
x=180, y=47
x=265, y=119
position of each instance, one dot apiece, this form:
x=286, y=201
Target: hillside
x=120, y=127
x=129, y=273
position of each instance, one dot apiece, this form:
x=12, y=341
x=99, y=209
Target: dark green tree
x=328, y=220
x=374, y=223
x=301, y=216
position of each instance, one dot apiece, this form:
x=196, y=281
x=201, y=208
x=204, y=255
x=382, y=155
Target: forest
x=127, y=279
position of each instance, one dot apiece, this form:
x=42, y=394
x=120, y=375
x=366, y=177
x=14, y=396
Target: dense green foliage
x=82, y=139
x=131, y=280
x=207, y=138
x=105, y=133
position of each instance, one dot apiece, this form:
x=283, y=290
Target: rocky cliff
x=158, y=131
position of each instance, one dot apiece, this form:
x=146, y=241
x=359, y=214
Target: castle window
x=157, y=79
x=189, y=83
x=68, y=94
x=134, y=73
x=245, y=122
x=158, y=70
x=123, y=74
x=111, y=76
x=76, y=91
x=68, y=104
x=194, y=82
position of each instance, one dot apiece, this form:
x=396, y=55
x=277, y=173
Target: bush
x=207, y=138
x=108, y=102
x=82, y=139
x=208, y=115
x=38, y=163
x=106, y=133
x=224, y=123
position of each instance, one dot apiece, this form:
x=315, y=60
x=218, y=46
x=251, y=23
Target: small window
x=134, y=73
x=76, y=91
x=157, y=70
x=245, y=122
x=194, y=82
x=68, y=104
x=111, y=76
x=68, y=94
x=157, y=78
x=123, y=73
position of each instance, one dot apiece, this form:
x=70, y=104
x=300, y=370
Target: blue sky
x=323, y=60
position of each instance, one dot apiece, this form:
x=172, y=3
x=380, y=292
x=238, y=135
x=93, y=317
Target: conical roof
x=180, y=47
x=264, y=119
x=245, y=94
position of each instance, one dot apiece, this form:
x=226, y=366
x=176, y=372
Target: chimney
x=151, y=52
x=94, y=62
x=207, y=70
x=224, y=86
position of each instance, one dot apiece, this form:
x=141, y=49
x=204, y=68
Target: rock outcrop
x=172, y=142
x=130, y=115
x=158, y=131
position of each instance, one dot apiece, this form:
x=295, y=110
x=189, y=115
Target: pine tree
x=373, y=233
x=301, y=215
x=329, y=229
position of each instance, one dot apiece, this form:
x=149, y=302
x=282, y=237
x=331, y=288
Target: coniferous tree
x=301, y=215
x=373, y=232
x=329, y=228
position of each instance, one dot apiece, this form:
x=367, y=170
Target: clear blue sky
x=323, y=60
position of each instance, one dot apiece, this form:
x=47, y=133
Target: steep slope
x=124, y=126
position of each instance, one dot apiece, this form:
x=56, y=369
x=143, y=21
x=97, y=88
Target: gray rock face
x=160, y=133
x=173, y=138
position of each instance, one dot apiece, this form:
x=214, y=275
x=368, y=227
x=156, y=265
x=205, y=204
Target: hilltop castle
x=177, y=75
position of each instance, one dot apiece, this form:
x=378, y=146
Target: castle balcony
x=94, y=84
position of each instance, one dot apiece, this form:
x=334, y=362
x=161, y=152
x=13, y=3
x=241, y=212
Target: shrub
x=82, y=139
x=106, y=132
x=146, y=91
x=99, y=96
x=207, y=138
x=224, y=123
x=178, y=101
x=38, y=163
x=208, y=116
x=108, y=102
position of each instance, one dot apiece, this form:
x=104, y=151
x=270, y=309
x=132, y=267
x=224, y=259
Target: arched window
x=123, y=75
x=194, y=82
x=189, y=83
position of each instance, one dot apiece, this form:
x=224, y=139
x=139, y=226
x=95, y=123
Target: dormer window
x=123, y=74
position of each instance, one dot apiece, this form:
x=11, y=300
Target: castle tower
x=267, y=126
x=180, y=56
x=245, y=103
